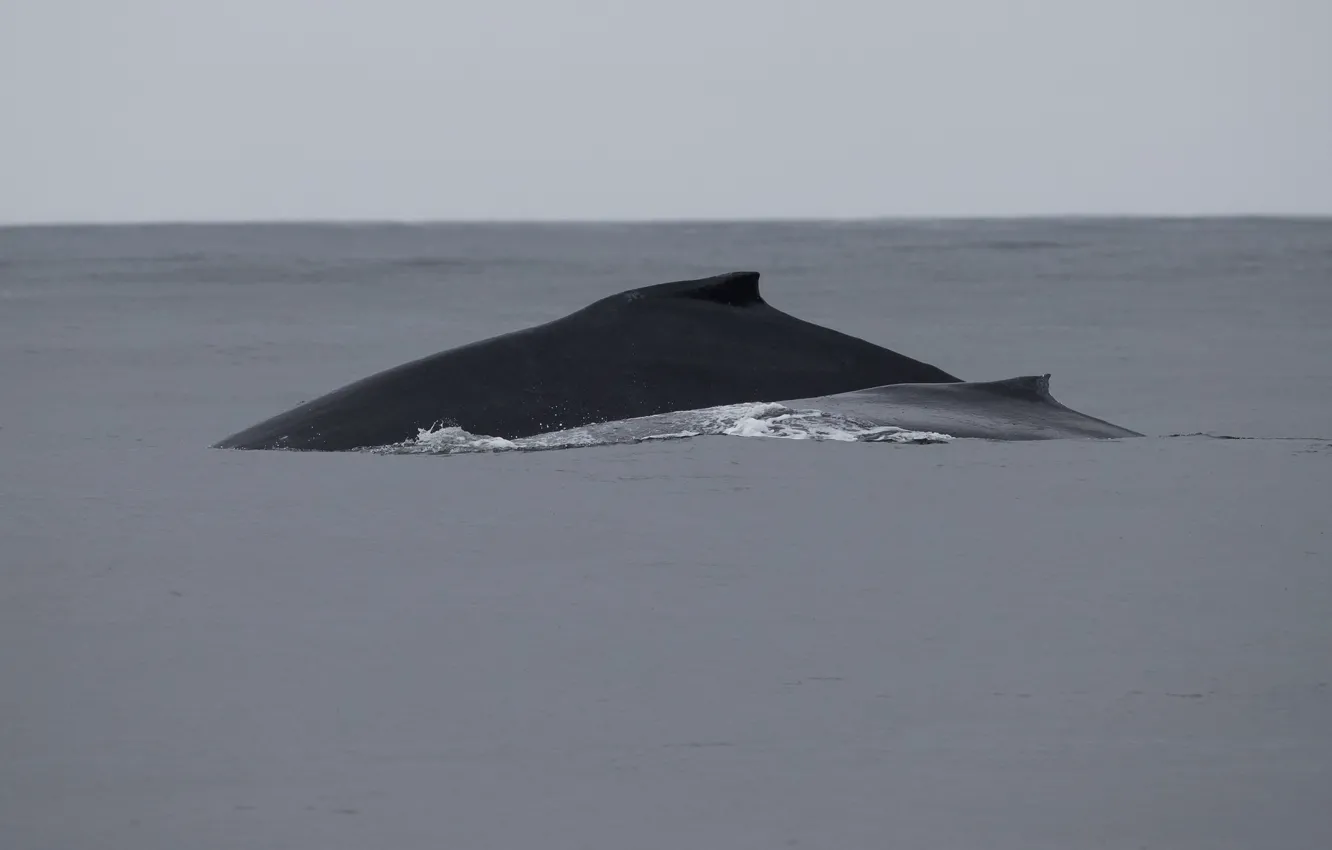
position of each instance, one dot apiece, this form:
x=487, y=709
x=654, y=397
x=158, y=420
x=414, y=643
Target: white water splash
x=770, y=420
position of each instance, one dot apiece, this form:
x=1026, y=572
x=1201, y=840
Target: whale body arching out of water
x=676, y=346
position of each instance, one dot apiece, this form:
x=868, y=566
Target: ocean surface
x=759, y=637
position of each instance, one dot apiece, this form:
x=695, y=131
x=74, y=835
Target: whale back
x=675, y=346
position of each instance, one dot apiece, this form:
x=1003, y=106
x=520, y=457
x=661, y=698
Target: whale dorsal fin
x=734, y=289
x=1031, y=387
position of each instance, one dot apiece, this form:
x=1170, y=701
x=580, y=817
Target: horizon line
x=665, y=220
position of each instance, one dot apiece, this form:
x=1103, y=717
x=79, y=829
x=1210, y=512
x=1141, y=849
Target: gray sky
x=490, y=109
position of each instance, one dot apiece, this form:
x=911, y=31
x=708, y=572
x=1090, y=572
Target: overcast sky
x=588, y=109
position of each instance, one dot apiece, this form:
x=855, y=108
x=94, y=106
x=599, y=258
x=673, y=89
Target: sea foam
x=762, y=419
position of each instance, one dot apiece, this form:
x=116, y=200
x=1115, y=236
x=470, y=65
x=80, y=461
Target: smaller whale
x=1011, y=410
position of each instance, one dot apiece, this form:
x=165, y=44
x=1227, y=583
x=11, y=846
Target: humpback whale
x=1014, y=409
x=682, y=345
x=1010, y=410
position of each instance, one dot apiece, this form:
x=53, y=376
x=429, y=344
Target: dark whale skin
x=673, y=346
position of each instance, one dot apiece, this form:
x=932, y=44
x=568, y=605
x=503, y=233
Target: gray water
x=717, y=642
